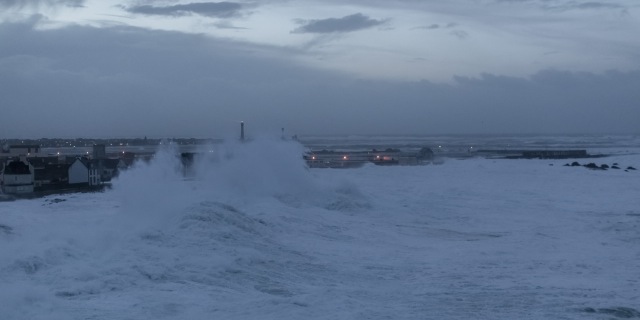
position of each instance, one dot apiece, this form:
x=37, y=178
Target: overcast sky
x=98, y=68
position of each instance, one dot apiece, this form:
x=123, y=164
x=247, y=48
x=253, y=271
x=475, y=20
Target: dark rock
x=615, y=163
x=631, y=168
x=604, y=166
x=592, y=166
x=575, y=164
x=567, y=165
x=615, y=167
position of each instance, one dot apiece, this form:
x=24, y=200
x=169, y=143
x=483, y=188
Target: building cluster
x=24, y=170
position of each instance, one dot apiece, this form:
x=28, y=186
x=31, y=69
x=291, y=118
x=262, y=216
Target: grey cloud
x=226, y=25
x=460, y=34
x=349, y=23
x=598, y=5
x=565, y=5
x=136, y=81
x=36, y=3
x=123, y=81
x=573, y=5
x=429, y=27
x=210, y=9
x=553, y=101
x=435, y=26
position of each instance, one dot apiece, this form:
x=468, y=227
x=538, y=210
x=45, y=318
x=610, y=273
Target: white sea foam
x=252, y=233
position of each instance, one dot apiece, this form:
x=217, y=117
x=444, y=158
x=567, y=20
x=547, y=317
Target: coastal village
x=37, y=167
x=30, y=169
x=27, y=170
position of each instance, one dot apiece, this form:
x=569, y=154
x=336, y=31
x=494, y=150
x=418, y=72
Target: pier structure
x=537, y=154
x=355, y=158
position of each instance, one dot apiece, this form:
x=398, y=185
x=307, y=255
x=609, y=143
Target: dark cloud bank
x=349, y=23
x=210, y=9
x=82, y=81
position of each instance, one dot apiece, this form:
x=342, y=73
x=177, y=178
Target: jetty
x=537, y=154
x=357, y=158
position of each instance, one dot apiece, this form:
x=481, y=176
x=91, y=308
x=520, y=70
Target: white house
x=84, y=171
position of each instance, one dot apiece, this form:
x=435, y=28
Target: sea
x=253, y=233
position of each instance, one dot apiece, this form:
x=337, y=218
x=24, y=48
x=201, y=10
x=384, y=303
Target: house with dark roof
x=128, y=158
x=108, y=168
x=52, y=177
x=17, y=178
x=41, y=162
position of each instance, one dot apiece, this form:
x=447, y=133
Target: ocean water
x=251, y=233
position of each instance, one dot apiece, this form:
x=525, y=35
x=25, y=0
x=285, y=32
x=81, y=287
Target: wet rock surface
x=603, y=166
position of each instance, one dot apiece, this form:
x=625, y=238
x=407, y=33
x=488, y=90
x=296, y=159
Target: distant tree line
x=87, y=142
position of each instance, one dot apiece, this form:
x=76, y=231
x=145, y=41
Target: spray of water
x=233, y=173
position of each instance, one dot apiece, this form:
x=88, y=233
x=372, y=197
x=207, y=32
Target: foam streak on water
x=250, y=233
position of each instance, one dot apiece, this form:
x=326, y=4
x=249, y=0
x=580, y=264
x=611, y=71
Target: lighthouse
x=241, y=131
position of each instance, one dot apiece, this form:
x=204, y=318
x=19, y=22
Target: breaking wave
x=264, y=169
x=214, y=227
